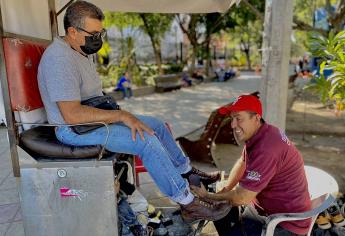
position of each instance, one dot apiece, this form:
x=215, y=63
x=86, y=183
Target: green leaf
x=322, y=66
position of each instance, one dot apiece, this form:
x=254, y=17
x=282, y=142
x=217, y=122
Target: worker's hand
x=201, y=192
x=225, y=189
x=135, y=125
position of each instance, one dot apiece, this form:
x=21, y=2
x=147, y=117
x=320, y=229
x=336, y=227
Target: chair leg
x=199, y=228
x=137, y=183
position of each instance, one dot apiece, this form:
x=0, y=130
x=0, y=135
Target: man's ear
x=71, y=31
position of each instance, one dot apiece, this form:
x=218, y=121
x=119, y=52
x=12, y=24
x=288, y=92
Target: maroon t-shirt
x=275, y=170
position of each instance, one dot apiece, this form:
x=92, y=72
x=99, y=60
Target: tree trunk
x=122, y=42
x=193, y=58
x=249, y=64
x=155, y=44
x=158, y=56
x=208, y=58
x=192, y=37
x=275, y=61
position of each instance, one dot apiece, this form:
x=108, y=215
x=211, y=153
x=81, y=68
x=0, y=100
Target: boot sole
x=193, y=220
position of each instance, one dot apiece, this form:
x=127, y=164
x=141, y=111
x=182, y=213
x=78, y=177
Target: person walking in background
x=124, y=85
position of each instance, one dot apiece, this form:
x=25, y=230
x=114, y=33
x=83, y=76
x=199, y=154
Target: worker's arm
x=236, y=174
x=238, y=196
x=73, y=113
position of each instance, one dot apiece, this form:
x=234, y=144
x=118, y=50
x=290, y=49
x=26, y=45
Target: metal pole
x=181, y=52
x=275, y=60
x=53, y=19
x=214, y=52
x=176, y=44
x=64, y=7
x=11, y=129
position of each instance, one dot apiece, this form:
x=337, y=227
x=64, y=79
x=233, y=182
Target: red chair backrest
x=22, y=58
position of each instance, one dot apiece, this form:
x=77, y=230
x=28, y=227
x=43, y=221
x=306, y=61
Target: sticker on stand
x=67, y=192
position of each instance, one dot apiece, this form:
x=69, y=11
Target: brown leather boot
x=204, y=210
x=205, y=178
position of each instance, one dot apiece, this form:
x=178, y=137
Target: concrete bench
x=167, y=82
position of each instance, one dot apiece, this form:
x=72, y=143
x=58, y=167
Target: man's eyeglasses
x=95, y=35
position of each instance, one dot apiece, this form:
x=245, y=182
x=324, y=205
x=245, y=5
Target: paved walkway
x=185, y=110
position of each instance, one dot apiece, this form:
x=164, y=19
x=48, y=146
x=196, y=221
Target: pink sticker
x=67, y=192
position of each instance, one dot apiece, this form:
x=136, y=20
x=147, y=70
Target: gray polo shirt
x=65, y=75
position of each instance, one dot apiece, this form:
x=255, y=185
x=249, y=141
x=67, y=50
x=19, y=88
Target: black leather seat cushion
x=42, y=142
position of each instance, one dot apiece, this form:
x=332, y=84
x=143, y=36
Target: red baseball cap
x=243, y=103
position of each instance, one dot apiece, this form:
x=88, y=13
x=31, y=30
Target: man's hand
x=135, y=125
x=73, y=113
x=201, y=192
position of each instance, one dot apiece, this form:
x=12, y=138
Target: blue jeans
x=127, y=92
x=160, y=154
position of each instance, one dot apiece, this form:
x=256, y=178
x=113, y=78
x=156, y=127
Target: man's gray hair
x=77, y=12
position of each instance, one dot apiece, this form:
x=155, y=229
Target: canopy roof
x=165, y=6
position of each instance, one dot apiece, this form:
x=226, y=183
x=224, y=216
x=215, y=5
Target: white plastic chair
x=321, y=186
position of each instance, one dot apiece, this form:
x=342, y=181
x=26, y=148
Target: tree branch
x=219, y=20
x=258, y=14
x=300, y=25
x=184, y=30
x=337, y=21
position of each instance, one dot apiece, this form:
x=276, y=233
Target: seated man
x=67, y=76
x=270, y=172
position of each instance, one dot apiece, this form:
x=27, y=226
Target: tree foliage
x=304, y=13
x=214, y=23
x=155, y=26
x=121, y=20
x=331, y=52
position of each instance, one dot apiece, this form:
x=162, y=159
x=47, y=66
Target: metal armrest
x=69, y=125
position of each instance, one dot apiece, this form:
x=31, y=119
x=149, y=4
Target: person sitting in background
x=186, y=81
x=124, y=85
x=198, y=75
x=229, y=74
x=220, y=72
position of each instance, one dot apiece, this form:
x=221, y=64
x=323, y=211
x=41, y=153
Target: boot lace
x=206, y=204
x=203, y=174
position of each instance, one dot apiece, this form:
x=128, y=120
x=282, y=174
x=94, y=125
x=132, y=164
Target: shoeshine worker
x=268, y=178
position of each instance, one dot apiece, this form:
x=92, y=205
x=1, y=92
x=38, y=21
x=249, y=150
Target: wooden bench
x=169, y=82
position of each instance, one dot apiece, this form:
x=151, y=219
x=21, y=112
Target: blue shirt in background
x=122, y=80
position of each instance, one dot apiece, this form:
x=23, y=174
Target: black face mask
x=92, y=45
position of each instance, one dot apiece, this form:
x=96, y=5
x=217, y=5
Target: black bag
x=105, y=102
